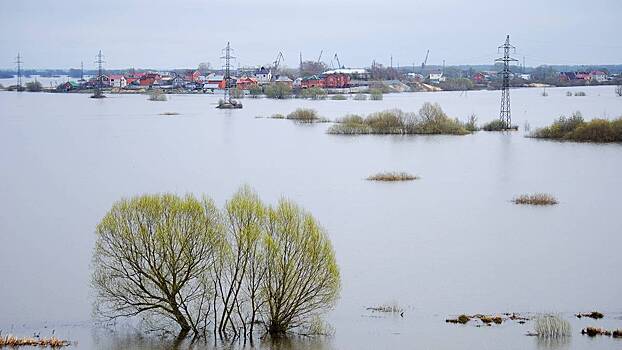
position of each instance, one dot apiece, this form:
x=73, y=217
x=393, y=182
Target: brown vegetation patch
x=594, y=331
x=392, y=176
x=594, y=314
x=535, y=199
x=12, y=341
x=169, y=113
x=462, y=319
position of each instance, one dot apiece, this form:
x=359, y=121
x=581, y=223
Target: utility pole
x=19, y=72
x=300, y=64
x=506, y=115
x=391, y=61
x=100, y=76
x=81, y=70
x=227, y=57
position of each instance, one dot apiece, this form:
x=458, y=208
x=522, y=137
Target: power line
x=506, y=115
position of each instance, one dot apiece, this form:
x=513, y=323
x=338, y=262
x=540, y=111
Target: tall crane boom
x=277, y=61
x=338, y=63
x=320, y=57
x=425, y=61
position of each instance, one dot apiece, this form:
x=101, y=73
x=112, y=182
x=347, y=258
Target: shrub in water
x=552, y=326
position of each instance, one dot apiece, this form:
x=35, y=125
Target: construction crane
x=425, y=61
x=338, y=63
x=320, y=57
x=277, y=61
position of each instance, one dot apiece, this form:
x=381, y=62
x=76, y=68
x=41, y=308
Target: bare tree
x=152, y=256
x=619, y=90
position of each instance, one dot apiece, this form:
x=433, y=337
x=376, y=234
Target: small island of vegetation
x=392, y=176
x=535, y=199
x=430, y=120
x=574, y=128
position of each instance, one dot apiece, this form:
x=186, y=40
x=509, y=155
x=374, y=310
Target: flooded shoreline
x=449, y=243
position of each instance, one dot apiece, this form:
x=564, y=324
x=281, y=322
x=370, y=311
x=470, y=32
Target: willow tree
x=302, y=277
x=152, y=257
x=239, y=261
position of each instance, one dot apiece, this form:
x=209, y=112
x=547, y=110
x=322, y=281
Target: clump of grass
x=169, y=113
x=430, y=120
x=535, y=199
x=392, y=176
x=574, y=128
x=594, y=331
x=462, y=319
x=157, y=95
x=552, y=326
x=375, y=94
x=277, y=116
x=389, y=308
x=338, y=97
x=594, y=314
x=580, y=93
x=617, y=333
x=487, y=319
x=360, y=97
x=304, y=115
x=568, y=93
x=471, y=123
x=12, y=341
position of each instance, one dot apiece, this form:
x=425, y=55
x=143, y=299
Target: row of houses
x=595, y=76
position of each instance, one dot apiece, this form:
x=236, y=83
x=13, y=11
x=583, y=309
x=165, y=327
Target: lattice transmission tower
x=100, y=76
x=506, y=114
x=227, y=56
x=19, y=62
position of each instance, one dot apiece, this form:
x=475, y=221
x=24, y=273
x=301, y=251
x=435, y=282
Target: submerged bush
x=552, y=326
x=392, y=176
x=181, y=263
x=338, y=97
x=375, y=94
x=495, y=125
x=278, y=91
x=314, y=93
x=574, y=128
x=619, y=90
x=429, y=120
x=157, y=95
x=535, y=199
x=304, y=115
x=360, y=97
x=580, y=93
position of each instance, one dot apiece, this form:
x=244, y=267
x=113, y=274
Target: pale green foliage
x=301, y=266
x=152, y=255
x=182, y=262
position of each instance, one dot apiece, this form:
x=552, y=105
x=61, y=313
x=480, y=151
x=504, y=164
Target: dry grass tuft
x=594, y=331
x=392, y=176
x=390, y=308
x=491, y=319
x=169, y=113
x=535, y=199
x=462, y=319
x=594, y=314
x=552, y=326
x=304, y=115
x=12, y=341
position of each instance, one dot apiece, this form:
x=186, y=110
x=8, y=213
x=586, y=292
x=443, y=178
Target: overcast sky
x=183, y=33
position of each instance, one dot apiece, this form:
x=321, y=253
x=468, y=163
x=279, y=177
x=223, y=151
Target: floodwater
x=447, y=244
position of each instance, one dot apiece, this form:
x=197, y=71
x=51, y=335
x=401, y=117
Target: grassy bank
x=574, y=128
x=430, y=120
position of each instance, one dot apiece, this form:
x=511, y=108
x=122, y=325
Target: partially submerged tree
x=302, y=274
x=152, y=257
x=187, y=265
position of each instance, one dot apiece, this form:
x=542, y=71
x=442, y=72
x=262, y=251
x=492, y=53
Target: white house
x=598, y=76
x=263, y=75
x=437, y=77
x=117, y=80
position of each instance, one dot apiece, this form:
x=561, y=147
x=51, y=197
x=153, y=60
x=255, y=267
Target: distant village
x=315, y=75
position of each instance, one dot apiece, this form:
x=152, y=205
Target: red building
x=149, y=79
x=246, y=83
x=336, y=81
x=192, y=76
x=311, y=82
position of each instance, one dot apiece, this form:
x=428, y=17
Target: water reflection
x=555, y=343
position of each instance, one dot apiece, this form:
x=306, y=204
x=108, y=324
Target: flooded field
x=449, y=243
